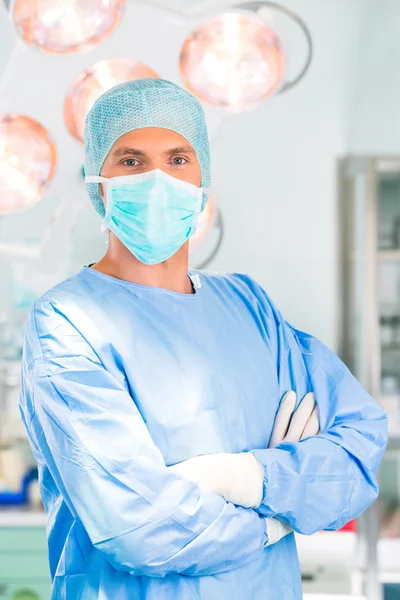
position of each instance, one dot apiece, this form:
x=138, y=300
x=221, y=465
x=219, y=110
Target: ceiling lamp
x=67, y=26
x=27, y=162
x=92, y=83
x=236, y=60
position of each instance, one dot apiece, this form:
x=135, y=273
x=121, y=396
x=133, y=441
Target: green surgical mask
x=153, y=214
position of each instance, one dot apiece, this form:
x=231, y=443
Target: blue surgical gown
x=121, y=380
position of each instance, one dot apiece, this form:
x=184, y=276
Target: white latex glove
x=238, y=478
x=291, y=425
x=276, y=530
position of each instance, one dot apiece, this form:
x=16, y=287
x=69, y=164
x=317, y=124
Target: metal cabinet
x=369, y=192
x=24, y=591
x=24, y=571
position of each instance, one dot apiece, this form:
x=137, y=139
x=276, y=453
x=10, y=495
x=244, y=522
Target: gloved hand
x=293, y=426
x=289, y=427
x=217, y=472
x=276, y=530
x=239, y=478
x=236, y=477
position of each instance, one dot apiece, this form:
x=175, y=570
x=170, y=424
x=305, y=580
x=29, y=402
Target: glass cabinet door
x=370, y=209
x=388, y=212
x=360, y=335
x=388, y=267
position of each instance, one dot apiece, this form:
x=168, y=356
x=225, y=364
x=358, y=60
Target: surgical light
x=235, y=61
x=67, y=26
x=92, y=83
x=239, y=58
x=27, y=162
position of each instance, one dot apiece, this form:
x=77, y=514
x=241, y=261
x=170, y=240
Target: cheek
x=102, y=193
x=193, y=175
x=198, y=175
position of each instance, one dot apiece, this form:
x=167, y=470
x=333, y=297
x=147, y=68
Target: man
x=150, y=392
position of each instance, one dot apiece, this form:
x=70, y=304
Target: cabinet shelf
x=394, y=442
x=389, y=255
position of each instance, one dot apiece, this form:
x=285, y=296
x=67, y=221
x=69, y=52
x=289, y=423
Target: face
x=152, y=148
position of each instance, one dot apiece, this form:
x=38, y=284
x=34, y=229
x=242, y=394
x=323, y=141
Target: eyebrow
x=135, y=152
x=180, y=150
x=128, y=152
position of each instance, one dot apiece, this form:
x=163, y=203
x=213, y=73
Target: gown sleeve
x=145, y=519
x=324, y=481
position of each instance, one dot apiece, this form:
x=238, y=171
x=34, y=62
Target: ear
x=101, y=191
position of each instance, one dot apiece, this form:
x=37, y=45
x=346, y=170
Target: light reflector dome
x=67, y=26
x=27, y=162
x=92, y=83
x=234, y=61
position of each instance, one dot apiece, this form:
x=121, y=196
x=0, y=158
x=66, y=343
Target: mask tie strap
x=199, y=208
x=96, y=179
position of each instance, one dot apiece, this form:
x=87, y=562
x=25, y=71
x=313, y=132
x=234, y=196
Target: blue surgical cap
x=135, y=105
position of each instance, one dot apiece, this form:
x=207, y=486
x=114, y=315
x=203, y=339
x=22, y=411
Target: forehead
x=151, y=138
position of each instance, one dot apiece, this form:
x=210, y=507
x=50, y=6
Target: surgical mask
x=153, y=214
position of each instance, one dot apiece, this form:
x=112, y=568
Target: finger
x=276, y=530
x=300, y=418
x=282, y=418
x=312, y=427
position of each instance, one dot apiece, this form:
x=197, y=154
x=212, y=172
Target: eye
x=131, y=162
x=179, y=160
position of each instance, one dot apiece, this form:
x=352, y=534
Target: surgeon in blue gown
x=150, y=392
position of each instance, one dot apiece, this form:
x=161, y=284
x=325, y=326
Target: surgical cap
x=135, y=105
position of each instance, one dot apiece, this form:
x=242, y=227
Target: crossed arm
x=320, y=481
x=146, y=519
